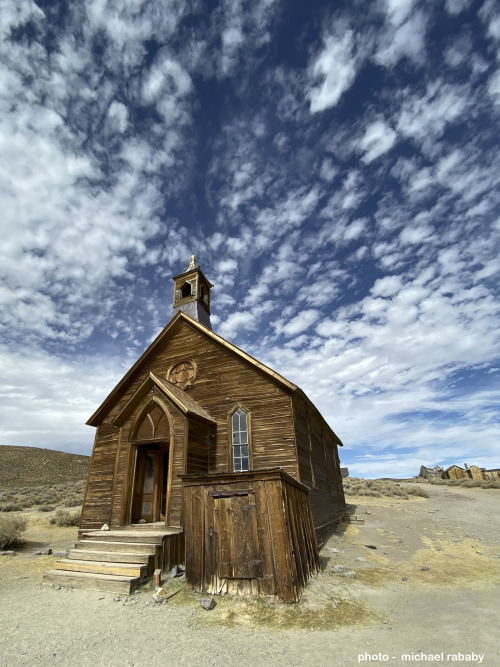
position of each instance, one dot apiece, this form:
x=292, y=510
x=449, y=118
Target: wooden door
x=237, y=548
x=147, y=492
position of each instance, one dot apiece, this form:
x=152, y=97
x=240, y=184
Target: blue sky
x=335, y=168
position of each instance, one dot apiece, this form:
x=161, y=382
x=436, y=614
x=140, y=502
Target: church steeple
x=192, y=293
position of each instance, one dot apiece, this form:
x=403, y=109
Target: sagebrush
x=65, y=518
x=11, y=529
x=378, y=488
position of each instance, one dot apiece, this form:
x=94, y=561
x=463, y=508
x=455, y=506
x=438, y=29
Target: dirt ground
x=429, y=591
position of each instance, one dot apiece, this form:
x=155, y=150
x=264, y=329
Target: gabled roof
x=184, y=402
x=150, y=353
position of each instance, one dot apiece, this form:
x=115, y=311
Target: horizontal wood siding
x=319, y=466
x=97, y=505
x=200, y=437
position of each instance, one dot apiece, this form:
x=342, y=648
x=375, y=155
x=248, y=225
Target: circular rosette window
x=182, y=374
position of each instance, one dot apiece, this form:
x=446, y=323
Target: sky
x=334, y=167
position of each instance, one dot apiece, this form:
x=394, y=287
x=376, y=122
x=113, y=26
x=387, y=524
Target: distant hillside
x=31, y=466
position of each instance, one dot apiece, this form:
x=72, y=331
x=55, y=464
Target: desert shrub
x=11, y=507
x=65, y=518
x=73, y=501
x=45, y=508
x=417, y=491
x=11, y=529
x=490, y=484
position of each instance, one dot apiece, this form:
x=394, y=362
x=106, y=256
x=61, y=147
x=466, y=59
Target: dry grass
x=450, y=564
x=465, y=482
x=263, y=612
x=378, y=488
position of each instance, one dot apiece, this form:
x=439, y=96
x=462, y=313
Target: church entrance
x=151, y=478
x=150, y=485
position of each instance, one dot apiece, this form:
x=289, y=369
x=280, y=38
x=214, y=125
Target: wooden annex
x=194, y=417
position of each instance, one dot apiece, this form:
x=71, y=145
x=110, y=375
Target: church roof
x=174, y=324
x=179, y=397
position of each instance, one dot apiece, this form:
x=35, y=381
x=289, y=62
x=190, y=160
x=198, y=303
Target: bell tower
x=192, y=293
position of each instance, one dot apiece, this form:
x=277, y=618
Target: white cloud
x=455, y=7
x=494, y=87
x=404, y=35
x=387, y=286
x=300, y=322
x=336, y=66
x=377, y=140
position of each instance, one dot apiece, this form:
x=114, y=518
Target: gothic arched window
x=240, y=440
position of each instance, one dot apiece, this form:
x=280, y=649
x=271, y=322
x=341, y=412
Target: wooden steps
x=101, y=582
x=115, y=560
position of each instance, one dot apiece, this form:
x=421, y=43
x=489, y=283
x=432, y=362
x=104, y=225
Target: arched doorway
x=150, y=488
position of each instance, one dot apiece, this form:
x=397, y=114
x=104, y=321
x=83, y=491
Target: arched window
x=240, y=440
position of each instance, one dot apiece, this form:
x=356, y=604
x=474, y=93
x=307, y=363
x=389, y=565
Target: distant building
x=454, y=472
x=427, y=473
x=344, y=472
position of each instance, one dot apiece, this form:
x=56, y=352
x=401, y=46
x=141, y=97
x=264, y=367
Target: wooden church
x=205, y=457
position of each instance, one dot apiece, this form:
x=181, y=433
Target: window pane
x=244, y=464
x=244, y=450
x=236, y=422
x=236, y=438
x=237, y=465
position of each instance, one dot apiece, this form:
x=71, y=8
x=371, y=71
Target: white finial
x=192, y=264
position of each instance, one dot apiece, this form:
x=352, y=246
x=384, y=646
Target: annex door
x=237, y=549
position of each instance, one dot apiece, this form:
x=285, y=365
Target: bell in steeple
x=192, y=293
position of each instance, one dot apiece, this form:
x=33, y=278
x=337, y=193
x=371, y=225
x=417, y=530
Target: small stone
x=334, y=606
x=174, y=571
x=47, y=552
x=370, y=546
x=404, y=578
x=424, y=568
x=182, y=578
x=479, y=552
x=207, y=603
x=105, y=527
x=116, y=598
x=338, y=569
x=7, y=553
x=361, y=559
x=59, y=553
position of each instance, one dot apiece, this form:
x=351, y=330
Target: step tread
x=92, y=575
x=108, y=556
x=150, y=545
x=102, y=567
x=112, y=583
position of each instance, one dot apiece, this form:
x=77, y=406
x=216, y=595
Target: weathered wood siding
x=97, y=507
x=474, y=472
x=200, y=438
x=249, y=533
x=454, y=472
x=319, y=466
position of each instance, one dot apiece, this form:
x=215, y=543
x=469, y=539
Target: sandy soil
x=390, y=607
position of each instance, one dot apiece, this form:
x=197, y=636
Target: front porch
x=119, y=560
